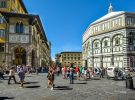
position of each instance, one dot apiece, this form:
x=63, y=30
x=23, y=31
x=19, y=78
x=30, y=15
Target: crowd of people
x=70, y=73
x=81, y=72
x=20, y=70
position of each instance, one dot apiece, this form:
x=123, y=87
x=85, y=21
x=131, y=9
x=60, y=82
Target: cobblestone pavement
x=36, y=89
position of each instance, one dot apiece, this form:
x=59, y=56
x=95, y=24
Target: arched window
x=19, y=27
x=1, y=47
x=96, y=44
x=117, y=41
x=105, y=43
x=131, y=38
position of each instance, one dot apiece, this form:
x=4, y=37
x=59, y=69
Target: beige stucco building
x=68, y=58
x=22, y=37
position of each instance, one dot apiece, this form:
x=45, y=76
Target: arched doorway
x=20, y=56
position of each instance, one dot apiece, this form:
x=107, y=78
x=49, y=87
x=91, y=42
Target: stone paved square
x=35, y=88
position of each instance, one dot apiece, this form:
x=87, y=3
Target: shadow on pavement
x=28, y=76
x=81, y=83
x=96, y=79
x=85, y=80
x=62, y=88
x=31, y=82
x=32, y=86
x=5, y=98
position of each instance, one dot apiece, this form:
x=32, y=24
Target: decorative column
x=6, y=54
x=101, y=57
x=126, y=58
x=101, y=61
x=28, y=58
x=91, y=61
x=112, y=56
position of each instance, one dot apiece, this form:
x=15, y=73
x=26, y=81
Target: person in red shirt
x=65, y=71
x=77, y=72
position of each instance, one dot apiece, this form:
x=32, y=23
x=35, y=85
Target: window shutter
x=12, y=29
x=26, y=29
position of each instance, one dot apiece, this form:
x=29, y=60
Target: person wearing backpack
x=21, y=75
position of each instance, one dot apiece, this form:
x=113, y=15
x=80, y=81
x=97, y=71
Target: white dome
x=107, y=16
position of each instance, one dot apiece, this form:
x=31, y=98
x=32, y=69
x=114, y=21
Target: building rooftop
x=107, y=16
x=21, y=1
x=70, y=52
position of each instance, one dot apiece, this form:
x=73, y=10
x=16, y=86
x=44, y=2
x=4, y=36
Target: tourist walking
x=85, y=73
x=1, y=73
x=102, y=72
x=64, y=71
x=78, y=72
x=68, y=72
x=18, y=68
x=81, y=68
x=12, y=75
x=50, y=77
x=91, y=72
x=58, y=70
x=21, y=75
x=71, y=76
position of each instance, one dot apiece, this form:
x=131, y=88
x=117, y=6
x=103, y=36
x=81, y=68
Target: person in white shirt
x=18, y=68
x=12, y=75
x=85, y=73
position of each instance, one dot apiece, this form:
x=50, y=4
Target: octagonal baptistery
x=110, y=41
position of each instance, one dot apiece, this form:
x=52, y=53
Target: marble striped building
x=110, y=40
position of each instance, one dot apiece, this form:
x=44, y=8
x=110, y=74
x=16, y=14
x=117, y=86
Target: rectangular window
x=3, y=4
x=103, y=27
x=116, y=21
x=2, y=33
x=1, y=47
x=108, y=25
x=71, y=58
x=113, y=23
x=130, y=21
x=1, y=20
x=119, y=21
x=96, y=28
x=99, y=28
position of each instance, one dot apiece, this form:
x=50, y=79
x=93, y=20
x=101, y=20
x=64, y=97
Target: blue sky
x=65, y=21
